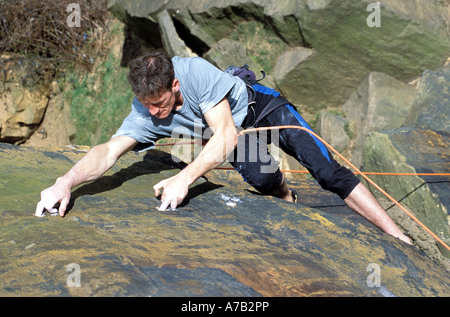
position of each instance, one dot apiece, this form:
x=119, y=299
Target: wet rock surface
x=225, y=240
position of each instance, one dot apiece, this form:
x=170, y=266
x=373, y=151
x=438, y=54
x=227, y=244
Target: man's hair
x=151, y=74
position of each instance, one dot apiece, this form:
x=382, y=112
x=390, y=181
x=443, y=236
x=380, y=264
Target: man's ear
x=175, y=85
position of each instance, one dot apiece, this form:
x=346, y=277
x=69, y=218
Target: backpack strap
x=268, y=109
x=249, y=77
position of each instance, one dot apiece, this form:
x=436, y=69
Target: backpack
x=257, y=113
x=244, y=73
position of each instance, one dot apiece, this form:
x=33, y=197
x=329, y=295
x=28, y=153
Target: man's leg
x=258, y=167
x=362, y=201
x=312, y=154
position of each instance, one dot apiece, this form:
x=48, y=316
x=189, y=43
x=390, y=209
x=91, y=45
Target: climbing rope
x=358, y=171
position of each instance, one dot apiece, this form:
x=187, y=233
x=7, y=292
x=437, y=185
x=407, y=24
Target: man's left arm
x=222, y=142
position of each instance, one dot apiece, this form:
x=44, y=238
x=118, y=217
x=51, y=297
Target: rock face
x=380, y=103
x=409, y=150
x=334, y=42
x=431, y=105
x=348, y=49
x=334, y=127
x=31, y=106
x=22, y=100
x=223, y=241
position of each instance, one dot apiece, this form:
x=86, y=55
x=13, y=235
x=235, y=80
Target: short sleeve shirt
x=202, y=86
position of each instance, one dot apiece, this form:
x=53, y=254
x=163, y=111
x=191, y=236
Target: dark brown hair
x=151, y=74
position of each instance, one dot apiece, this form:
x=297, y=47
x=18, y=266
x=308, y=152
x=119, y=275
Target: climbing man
x=192, y=95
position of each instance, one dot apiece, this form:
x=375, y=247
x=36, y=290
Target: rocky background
x=377, y=93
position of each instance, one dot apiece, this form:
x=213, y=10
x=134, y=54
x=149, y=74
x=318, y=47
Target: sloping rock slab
x=224, y=241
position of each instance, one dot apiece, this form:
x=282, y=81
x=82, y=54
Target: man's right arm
x=94, y=164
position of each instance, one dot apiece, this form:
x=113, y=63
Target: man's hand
x=95, y=163
x=222, y=142
x=50, y=197
x=174, y=189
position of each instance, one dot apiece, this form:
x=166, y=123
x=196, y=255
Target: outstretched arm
x=93, y=165
x=222, y=142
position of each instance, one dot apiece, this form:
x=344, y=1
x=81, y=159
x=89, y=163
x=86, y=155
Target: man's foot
x=294, y=196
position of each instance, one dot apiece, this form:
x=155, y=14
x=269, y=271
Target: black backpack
x=255, y=114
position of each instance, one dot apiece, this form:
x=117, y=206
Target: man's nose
x=153, y=110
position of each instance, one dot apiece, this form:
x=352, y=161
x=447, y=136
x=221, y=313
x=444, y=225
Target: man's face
x=162, y=105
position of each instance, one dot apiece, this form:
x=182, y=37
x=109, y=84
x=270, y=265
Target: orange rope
x=356, y=169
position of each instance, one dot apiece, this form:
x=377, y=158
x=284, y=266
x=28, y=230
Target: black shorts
x=258, y=167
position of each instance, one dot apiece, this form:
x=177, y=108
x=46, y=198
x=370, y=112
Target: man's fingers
x=164, y=205
x=157, y=188
x=53, y=206
x=63, y=206
x=39, y=209
x=170, y=194
x=53, y=211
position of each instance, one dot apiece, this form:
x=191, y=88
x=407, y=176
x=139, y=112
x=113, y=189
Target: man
x=192, y=95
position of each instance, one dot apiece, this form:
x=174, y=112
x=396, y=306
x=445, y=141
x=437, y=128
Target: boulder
x=412, y=36
x=174, y=45
x=23, y=100
x=381, y=102
x=56, y=128
x=224, y=240
x=431, y=107
x=332, y=127
x=228, y=52
x=409, y=150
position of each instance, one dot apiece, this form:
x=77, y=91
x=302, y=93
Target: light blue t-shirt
x=203, y=86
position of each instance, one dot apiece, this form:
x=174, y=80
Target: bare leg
x=362, y=201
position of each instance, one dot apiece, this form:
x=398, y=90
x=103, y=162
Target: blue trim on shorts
x=304, y=124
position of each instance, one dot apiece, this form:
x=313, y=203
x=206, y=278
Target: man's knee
x=340, y=181
x=267, y=183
